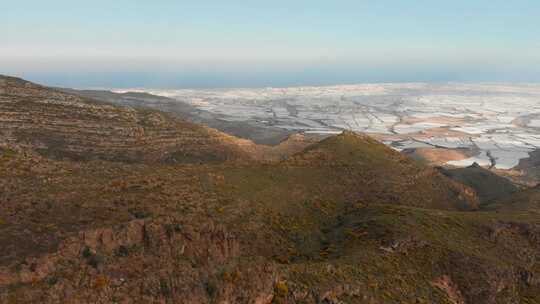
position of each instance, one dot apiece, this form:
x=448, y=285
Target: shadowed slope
x=250, y=130
x=488, y=185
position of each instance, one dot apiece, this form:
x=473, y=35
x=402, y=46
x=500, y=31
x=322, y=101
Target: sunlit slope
x=61, y=125
x=373, y=172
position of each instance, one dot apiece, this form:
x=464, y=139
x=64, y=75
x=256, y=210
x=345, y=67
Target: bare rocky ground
x=133, y=206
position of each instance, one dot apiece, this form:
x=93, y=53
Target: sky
x=235, y=43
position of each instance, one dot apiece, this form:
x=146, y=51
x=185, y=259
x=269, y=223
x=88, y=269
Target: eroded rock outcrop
x=156, y=260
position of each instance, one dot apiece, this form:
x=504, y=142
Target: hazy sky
x=165, y=43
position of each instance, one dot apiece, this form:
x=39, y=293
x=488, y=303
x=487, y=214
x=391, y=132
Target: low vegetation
x=347, y=220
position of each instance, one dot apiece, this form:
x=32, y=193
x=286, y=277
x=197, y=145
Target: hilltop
x=90, y=214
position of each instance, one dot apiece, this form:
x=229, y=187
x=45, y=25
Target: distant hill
x=138, y=100
x=488, y=185
x=379, y=173
x=245, y=129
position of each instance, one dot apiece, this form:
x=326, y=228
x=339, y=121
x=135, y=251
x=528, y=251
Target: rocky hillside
x=250, y=130
x=527, y=200
x=346, y=220
x=378, y=173
x=66, y=126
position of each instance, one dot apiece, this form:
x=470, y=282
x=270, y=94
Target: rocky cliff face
x=159, y=260
x=141, y=208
